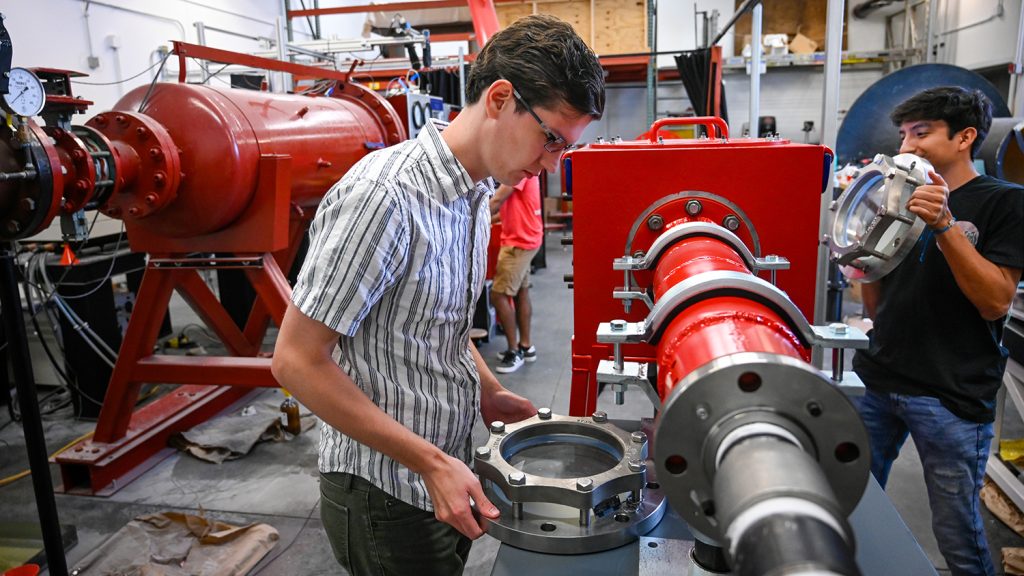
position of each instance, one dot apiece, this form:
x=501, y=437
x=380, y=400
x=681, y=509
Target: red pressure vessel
x=717, y=326
x=189, y=162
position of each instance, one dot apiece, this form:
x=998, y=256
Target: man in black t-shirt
x=936, y=358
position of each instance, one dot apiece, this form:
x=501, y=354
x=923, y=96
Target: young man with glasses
x=376, y=340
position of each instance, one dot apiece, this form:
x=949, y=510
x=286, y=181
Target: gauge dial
x=25, y=95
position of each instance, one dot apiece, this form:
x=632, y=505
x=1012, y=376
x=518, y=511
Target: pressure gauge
x=25, y=95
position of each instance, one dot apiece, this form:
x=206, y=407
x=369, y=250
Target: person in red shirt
x=522, y=233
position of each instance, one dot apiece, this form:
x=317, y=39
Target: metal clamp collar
x=700, y=287
x=690, y=229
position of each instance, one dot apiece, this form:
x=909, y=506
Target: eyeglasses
x=555, y=142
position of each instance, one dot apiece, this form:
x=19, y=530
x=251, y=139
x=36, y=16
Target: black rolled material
x=790, y=544
x=709, y=557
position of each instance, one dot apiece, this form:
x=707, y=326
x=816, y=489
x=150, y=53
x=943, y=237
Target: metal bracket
x=624, y=294
x=837, y=335
x=632, y=374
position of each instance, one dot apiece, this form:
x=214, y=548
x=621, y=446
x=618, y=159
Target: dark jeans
x=953, y=454
x=373, y=533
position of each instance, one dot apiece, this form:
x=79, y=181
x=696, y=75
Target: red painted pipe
x=717, y=326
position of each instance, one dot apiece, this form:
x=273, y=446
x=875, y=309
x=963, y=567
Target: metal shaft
x=31, y=421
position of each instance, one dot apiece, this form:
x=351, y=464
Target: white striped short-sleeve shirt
x=396, y=262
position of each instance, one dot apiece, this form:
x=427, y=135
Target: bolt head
x=600, y=417
x=618, y=325
x=544, y=413
x=483, y=452
x=497, y=427
x=516, y=478
x=837, y=328
x=638, y=437
x=584, y=484
x=637, y=466
x=702, y=412
x=121, y=119
x=134, y=210
x=655, y=222
x=731, y=223
x=159, y=178
x=694, y=207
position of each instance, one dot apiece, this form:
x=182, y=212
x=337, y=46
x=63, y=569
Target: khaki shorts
x=513, y=268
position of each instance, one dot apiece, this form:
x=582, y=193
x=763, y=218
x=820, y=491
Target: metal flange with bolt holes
x=568, y=485
x=731, y=394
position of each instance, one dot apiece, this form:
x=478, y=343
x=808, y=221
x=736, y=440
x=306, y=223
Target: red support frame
x=127, y=442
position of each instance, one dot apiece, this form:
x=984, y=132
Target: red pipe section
x=193, y=153
x=716, y=326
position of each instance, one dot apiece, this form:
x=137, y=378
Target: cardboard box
x=801, y=44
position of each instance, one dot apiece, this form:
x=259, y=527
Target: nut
x=600, y=417
x=497, y=427
x=637, y=466
x=837, y=328
x=544, y=413
x=638, y=437
x=584, y=484
x=516, y=478
x=694, y=207
x=483, y=452
x=618, y=325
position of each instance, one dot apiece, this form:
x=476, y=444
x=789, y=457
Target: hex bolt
x=771, y=258
x=584, y=484
x=483, y=452
x=121, y=119
x=694, y=207
x=158, y=179
x=731, y=223
x=600, y=417
x=618, y=325
x=814, y=409
x=837, y=328
x=497, y=427
x=150, y=198
x=636, y=466
x=655, y=222
x=639, y=254
x=134, y=210
x=516, y=478
x=100, y=121
x=544, y=413
x=638, y=437
x=702, y=411
x=142, y=132
x=155, y=152
x=77, y=154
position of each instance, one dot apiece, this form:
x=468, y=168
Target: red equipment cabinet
x=625, y=193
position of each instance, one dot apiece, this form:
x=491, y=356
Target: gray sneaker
x=528, y=354
x=510, y=362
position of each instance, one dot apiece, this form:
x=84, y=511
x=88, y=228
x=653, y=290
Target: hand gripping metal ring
x=546, y=509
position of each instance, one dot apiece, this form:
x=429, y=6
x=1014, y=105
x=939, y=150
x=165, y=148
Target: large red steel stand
x=202, y=171
x=633, y=190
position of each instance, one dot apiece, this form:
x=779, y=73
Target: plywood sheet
x=607, y=26
x=808, y=17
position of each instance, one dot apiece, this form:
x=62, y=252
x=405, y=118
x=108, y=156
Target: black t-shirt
x=928, y=339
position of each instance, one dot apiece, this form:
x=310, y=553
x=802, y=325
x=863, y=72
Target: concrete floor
x=277, y=483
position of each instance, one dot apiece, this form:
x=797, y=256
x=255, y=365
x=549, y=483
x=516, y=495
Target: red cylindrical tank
x=717, y=326
x=193, y=152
